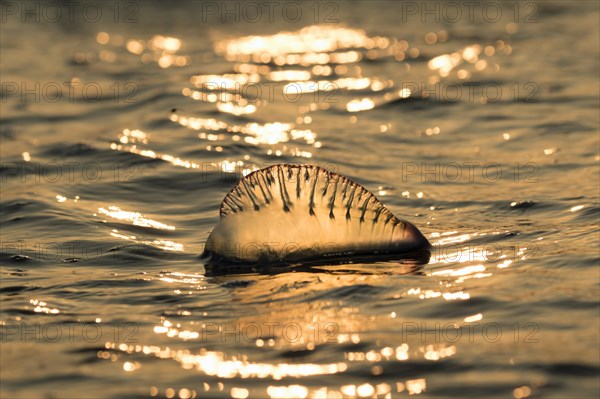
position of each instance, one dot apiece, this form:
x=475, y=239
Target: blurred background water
x=125, y=124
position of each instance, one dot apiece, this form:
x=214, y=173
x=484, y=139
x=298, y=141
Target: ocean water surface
x=122, y=133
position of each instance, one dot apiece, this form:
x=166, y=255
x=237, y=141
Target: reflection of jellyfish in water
x=302, y=214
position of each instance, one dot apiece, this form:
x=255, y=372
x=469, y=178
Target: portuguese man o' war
x=295, y=213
